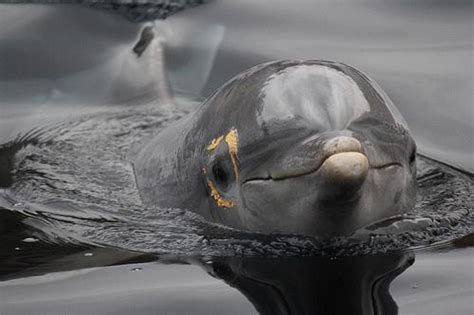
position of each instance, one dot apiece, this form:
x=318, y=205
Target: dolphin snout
x=346, y=166
x=342, y=144
x=345, y=160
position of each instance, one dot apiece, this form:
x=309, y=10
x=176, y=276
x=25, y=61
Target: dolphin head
x=306, y=147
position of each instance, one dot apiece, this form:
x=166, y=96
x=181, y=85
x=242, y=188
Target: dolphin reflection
x=314, y=285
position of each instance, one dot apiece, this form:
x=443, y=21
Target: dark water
x=439, y=282
x=76, y=238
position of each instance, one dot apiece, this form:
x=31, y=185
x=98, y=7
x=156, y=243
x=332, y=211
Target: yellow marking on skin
x=232, y=140
x=221, y=202
x=214, y=143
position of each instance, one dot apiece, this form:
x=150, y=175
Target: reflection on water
x=283, y=285
x=315, y=285
x=439, y=282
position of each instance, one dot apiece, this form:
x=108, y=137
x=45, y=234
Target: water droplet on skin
x=414, y=286
x=136, y=269
x=88, y=254
x=30, y=240
x=17, y=248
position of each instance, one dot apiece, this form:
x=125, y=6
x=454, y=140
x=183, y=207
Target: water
x=439, y=282
x=75, y=236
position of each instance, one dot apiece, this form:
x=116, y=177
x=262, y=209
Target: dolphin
x=310, y=147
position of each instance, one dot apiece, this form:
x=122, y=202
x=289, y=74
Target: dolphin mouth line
x=386, y=165
x=314, y=170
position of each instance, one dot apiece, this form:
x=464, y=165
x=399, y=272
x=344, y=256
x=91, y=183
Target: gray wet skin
x=301, y=147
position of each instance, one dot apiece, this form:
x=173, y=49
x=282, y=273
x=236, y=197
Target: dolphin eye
x=412, y=156
x=220, y=175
